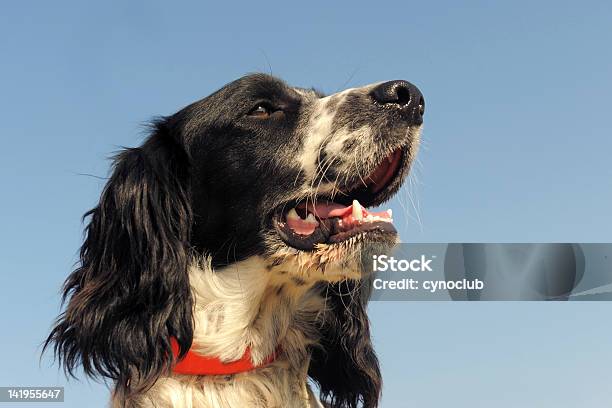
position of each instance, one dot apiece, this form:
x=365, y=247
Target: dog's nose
x=403, y=95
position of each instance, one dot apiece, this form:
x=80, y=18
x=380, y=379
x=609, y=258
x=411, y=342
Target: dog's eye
x=261, y=110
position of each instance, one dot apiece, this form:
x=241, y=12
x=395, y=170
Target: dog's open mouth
x=304, y=225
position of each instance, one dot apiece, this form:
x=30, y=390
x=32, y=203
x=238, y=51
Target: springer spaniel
x=223, y=264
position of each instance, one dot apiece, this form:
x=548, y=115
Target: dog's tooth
x=357, y=211
x=293, y=215
x=311, y=219
x=390, y=212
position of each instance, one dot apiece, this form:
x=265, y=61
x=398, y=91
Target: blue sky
x=516, y=148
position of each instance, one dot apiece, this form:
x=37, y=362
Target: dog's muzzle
x=378, y=119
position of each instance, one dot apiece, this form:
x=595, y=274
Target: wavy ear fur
x=345, y=366
x=130, y=292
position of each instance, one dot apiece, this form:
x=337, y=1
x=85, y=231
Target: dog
x=224, y=263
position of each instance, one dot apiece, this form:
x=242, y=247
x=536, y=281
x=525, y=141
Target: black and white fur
x=182, y=244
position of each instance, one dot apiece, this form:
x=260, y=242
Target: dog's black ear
x=345, y=366
x=130, y=292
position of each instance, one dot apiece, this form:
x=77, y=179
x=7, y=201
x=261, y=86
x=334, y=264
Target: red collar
x=196, y=364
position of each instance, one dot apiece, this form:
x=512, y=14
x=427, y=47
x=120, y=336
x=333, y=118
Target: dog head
x=258, y=168
x=285, y=172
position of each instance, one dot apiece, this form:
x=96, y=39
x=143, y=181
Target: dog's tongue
x=351, y=215
x=329, y=210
